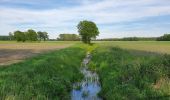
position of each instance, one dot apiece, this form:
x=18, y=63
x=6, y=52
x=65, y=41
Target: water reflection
x=90, y=85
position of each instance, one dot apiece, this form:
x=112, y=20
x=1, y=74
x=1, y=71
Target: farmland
x=12, y=52
x=127, y=70
x=150, y=46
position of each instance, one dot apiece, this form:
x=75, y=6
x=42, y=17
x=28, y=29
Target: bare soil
x=13, y=53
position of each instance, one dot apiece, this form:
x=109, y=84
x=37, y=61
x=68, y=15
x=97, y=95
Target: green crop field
x=127, y=70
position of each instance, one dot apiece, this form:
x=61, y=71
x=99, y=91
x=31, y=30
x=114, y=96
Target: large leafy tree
x=31, y=35
x=68, y=37
x=87, y=30
x=42, y=35
x=19, y=36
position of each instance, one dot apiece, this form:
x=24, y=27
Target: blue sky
x=115, y=18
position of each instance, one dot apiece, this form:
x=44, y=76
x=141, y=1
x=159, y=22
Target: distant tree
x=11, y=36
x=87, y=30
x=165, y=37
x=4, y=38
x=68, y=37
x=42, y=35
x=45, y=36
x=31, y=35
x=20, y=36
x=130, y=39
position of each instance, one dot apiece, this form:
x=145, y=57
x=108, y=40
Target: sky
x=114, y=18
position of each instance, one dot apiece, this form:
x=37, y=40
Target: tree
x=68, y=37
x=165, y=37
x=45, y=36
x=4, y=38
x=19, y=36
x=87, y=30
x=31, y=35
x=42, y=35
x=11, y=36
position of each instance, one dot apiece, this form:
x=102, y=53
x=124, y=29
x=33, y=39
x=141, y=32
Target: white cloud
x=65, y=19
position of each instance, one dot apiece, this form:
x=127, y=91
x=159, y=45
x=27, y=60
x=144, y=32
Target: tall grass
x=127, y=75
x=45, y=77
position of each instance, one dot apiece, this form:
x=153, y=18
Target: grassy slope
x=47, y=76
x=131, y=75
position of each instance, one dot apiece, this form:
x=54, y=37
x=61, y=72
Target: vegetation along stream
x=89, y=87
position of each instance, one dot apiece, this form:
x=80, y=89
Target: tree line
x=87, y=30
x=4, y=38
x=129, y=39
x=29, y=35
x=165, y=37
x=68, y=37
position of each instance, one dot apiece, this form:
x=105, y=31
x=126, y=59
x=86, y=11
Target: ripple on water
x=89, y=87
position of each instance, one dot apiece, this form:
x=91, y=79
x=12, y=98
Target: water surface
x=89, y=87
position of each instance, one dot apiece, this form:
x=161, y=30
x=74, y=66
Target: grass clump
x=125, y=75
x=45, y=77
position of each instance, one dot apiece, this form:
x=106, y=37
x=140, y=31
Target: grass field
x=127, y=73
x=151, y=46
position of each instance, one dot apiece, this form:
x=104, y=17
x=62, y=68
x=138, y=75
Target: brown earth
x=16, y=52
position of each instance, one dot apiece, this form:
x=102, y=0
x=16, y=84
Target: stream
x=89, y=87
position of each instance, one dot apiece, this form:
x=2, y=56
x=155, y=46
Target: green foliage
x=31, y=35
x=68, y=37
x=130, y=39
x=42, y=35
x=88, y=48
x=20, y=36
x=165, y=37
x=130, y=75
x=4, y=38
x=87, y=30
x=11, y=36
x=45, y=77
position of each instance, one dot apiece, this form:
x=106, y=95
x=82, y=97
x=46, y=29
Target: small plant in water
x=85, y=94
x=78, y=87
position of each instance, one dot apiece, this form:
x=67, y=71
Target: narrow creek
x=89, y=87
